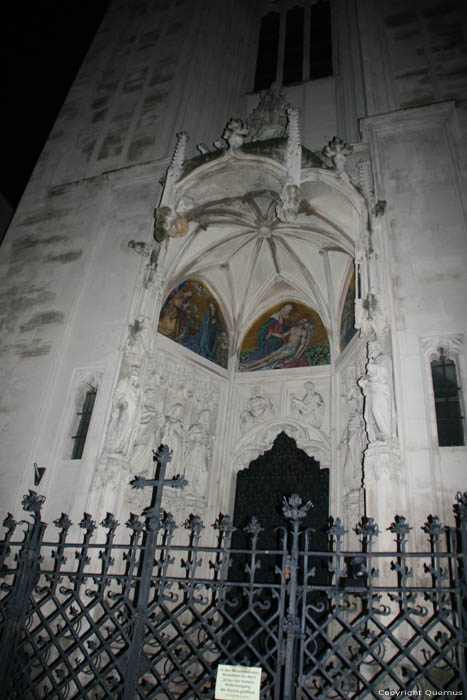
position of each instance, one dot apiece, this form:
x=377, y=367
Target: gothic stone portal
x=282, y=471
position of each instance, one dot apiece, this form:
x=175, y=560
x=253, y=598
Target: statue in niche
x=171, y=434
x=258, y=408
x=353, y=442
x=124, y=409
x=198, y=448
x=147, y=434
x=376, y=385
x=311, y=405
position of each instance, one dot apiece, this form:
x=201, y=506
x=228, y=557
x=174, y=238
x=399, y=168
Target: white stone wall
x=419, y=175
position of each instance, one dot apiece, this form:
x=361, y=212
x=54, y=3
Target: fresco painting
x=348, y=330
x=289, y=335
x=191, y=316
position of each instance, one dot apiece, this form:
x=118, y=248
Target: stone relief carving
x=124, y=410
x=290, y=200
x=174, y=378
x=352, y=374
x=353, y=443
x=172, y=433
x=235, y=133
x=173, y=393
x=309, y=439
x=268, y=119
x=451, y=345
x=151, y=253
x=377, y=387
x=382, y=462
x=198, y=450
x=370, y=318
x=147, y=434
x=138, y=341
x=258, y=408
x=335, y=153
x=311, y=405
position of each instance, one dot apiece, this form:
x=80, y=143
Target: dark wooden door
x=282, y=471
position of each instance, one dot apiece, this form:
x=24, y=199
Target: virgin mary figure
x=204, y=342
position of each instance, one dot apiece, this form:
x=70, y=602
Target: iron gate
x=151, y=618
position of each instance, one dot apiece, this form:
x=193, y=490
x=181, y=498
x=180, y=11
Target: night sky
x=42, y=46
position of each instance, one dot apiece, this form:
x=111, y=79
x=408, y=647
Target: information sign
x=237, y=682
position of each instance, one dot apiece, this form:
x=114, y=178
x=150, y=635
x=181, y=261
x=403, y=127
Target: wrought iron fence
x=148, y=618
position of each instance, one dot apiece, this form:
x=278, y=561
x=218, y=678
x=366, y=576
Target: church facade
x=249, y=219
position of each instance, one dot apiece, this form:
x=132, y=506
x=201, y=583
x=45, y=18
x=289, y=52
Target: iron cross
x=161, y=457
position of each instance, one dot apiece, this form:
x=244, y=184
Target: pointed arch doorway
x=281, y=471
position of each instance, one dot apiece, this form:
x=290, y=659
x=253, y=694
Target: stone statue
x=258, y=408
x=268, y=120
x=377, y=388
x=124, y=409
x=311, y=405
x=353, y=442
x=151, y=253
x=235, y=133
x=198, y=447
x=171, y=434
x=336, y=152
x=147, y=435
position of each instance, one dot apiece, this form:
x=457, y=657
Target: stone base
x=384, y=487
x=382, y=461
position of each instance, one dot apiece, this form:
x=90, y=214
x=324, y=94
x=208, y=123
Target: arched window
x=320, y=41
x=268, y=46
x=84, y=388
x=84, y=418
x=294, y=45
x=448, y=405
x=293, y=51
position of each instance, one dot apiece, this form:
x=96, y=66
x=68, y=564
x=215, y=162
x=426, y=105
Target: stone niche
x=217, y=422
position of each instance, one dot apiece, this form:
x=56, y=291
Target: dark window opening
x=290, y=52
x=449, y=418
x=320, y=41
x=293, y=52
x=267, y=51
x=83, y=426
